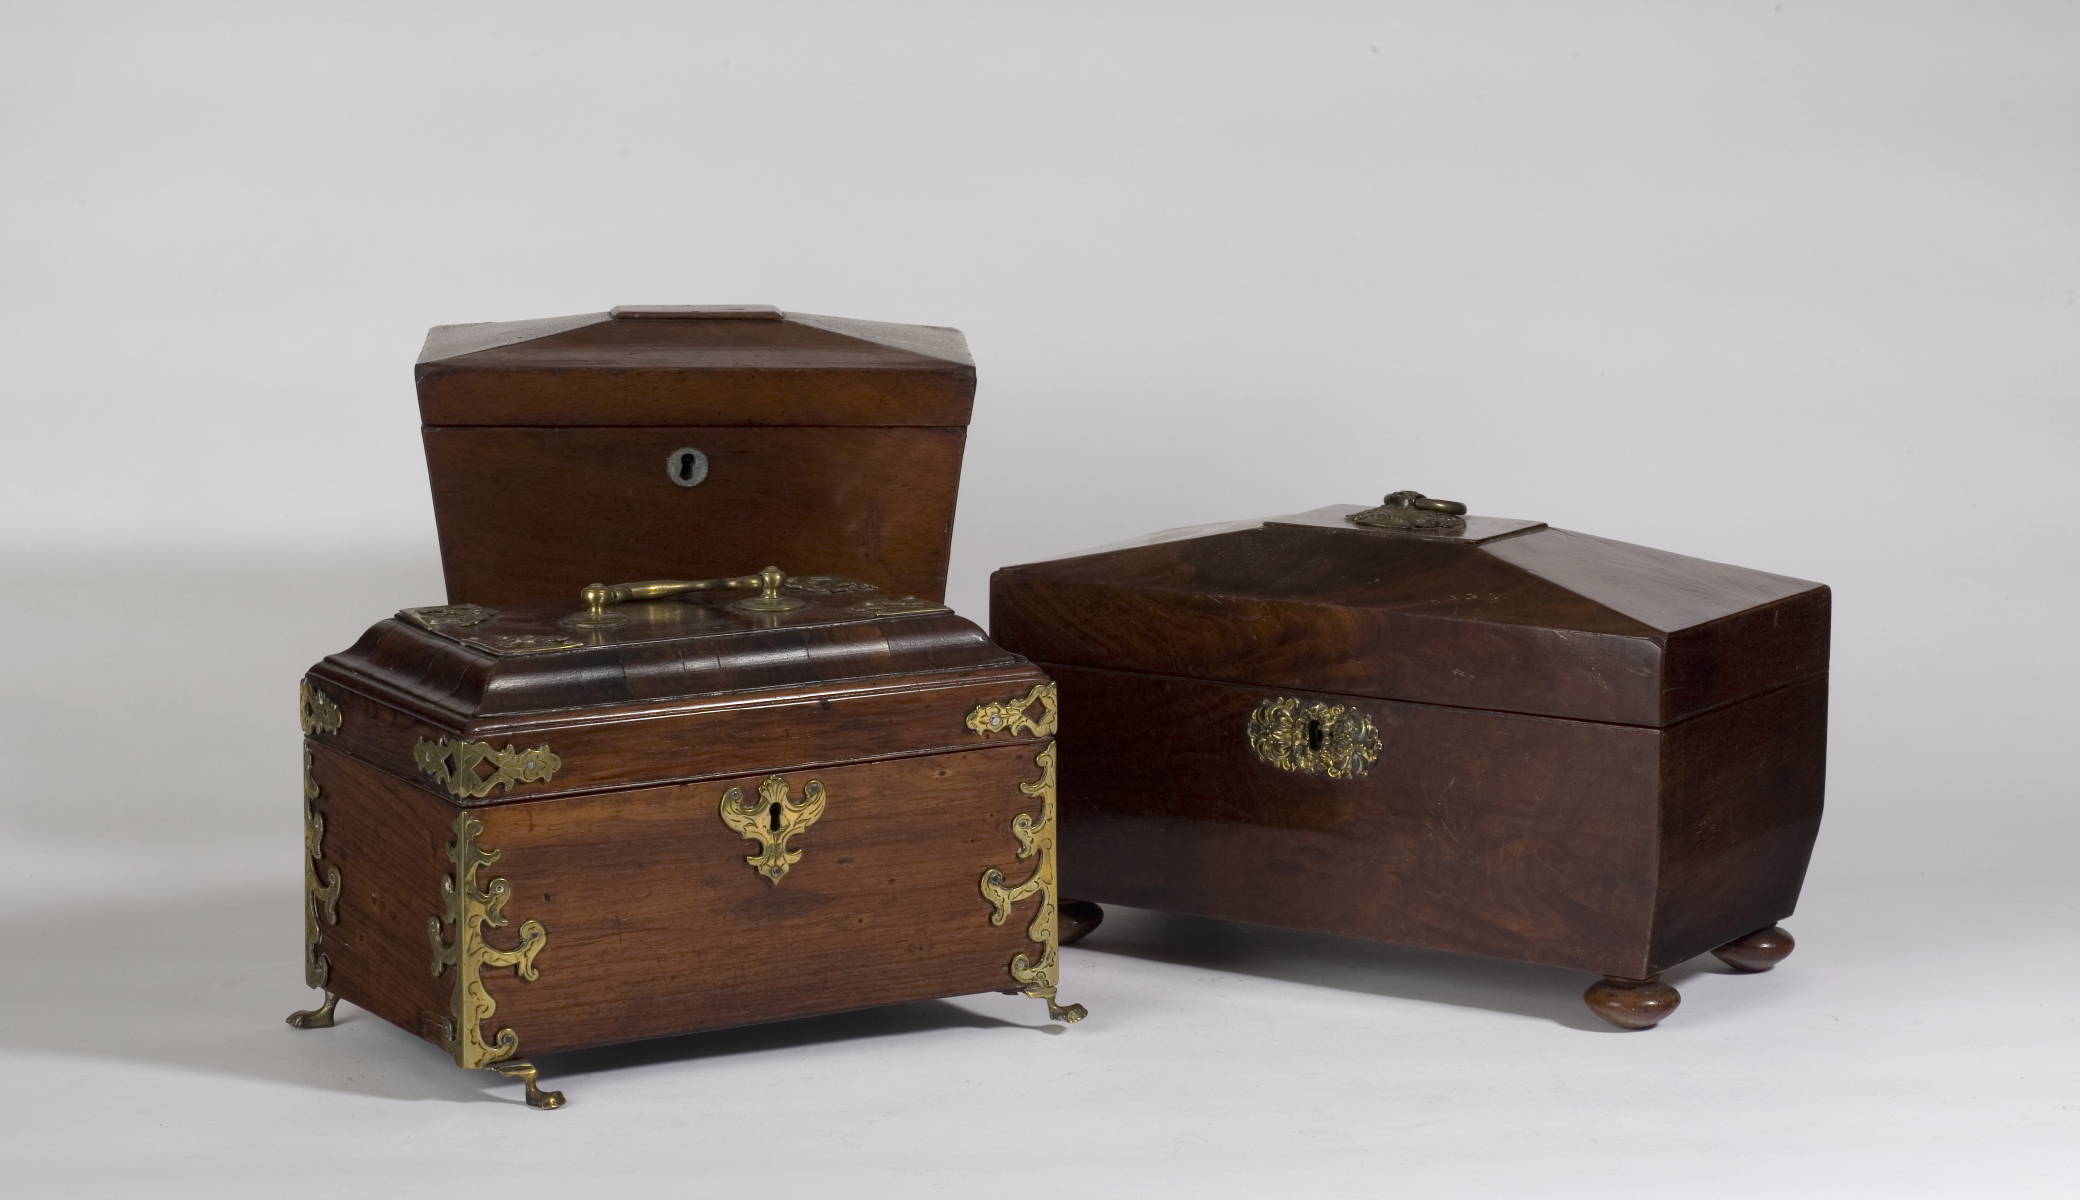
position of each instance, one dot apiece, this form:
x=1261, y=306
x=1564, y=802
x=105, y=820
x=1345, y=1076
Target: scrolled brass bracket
x=458, y=766
x=1015, y=714
x=320, y=903
x=1314, y=738
x=1414, y=512
x=772, y=819
x=470, y=908
x=315, y=711
x=1040, y=976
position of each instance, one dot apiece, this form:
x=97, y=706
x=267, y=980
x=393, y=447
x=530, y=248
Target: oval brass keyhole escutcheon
x=686, y=466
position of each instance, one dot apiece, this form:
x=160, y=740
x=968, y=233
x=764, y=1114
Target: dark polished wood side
x=1742, y=791
x=1519, y=837
x=529, y=515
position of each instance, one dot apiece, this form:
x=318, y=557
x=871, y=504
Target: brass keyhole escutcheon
x=686, y=466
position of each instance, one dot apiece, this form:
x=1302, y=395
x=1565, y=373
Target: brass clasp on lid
x=767, y=583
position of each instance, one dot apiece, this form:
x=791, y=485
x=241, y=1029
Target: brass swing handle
x=767, y=583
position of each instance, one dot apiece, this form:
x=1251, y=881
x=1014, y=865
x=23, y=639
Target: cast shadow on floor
x=202, y=981
x=1372, y=968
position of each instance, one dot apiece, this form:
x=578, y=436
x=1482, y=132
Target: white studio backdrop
x=1791, y=285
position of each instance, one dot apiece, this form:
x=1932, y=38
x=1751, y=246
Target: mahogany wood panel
x=1610, y=848
x=1520, y=837
x=1535, y=620
x=634, y=745
x=389, y=843
x=789, y=369
x=656, y=925
x=1742, y=790
x=532, y=515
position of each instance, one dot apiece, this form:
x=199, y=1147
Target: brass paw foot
x=1067, y=1014
x=1632, y=1003
x=316, y=1018
x=1080, y=918
x=525, y=1072
x=1759, y=951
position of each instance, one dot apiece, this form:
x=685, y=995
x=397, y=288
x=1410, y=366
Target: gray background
x=1790, y=285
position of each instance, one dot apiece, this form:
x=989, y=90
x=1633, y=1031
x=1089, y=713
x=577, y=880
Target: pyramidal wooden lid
x=1505, y=615
x=695, y=365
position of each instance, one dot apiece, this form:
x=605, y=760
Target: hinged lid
x=1494, y=614
x=668, y=687
x=743, y=364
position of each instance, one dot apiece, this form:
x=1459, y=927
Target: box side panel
x=1746, y=654
x=1743, y=788
x=387, y=841
x=532, y=515
x=656, y=924
x=1524, y=838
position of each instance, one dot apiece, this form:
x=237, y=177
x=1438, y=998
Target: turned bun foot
x=1632, y=1003
x=1759, y=951
x=1078, y=919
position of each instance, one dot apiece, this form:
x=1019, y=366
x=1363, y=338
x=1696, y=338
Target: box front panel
x=532, y=515
x=1527, y=838
x=821, y=891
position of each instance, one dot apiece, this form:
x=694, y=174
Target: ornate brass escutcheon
x=772, y=819
x=1314, y=738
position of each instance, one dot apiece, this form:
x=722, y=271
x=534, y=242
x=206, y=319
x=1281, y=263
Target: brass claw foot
x=1067, y=1014
x=316, y=1018
x=525, y=1072
x=1632, y=1003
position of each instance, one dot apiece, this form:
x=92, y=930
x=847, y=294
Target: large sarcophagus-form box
x=1461, y=733
x=681, y=807
x=691, y=441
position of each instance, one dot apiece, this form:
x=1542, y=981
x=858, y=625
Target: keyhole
x=686, y=466
x=1314, y=735
x=773, y=818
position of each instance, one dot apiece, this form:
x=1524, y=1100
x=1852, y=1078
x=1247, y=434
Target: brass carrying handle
x=767, y=583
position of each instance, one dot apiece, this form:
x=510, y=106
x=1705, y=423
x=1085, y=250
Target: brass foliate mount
x=772, y=819
x=315, y=711
x=767, y=582
x=460, y=767
x=1041, y=976
x=1314, y=737
x=469, y=908
x=320, y=903
x=1413, y=512
x=1016, y=714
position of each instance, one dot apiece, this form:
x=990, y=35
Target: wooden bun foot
x=1759, y=951
x=1078, y=919
x=1632, y=1003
